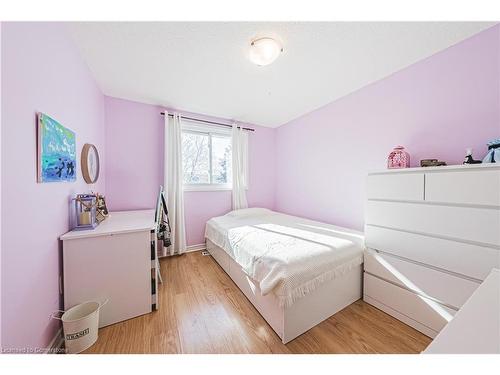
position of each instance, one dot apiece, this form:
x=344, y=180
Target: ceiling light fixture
x=264, y=51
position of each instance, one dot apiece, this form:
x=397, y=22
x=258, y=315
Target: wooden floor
x=203, y=311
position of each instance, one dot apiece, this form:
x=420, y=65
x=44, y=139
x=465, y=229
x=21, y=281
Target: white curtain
x=173, y=183
x=239, y=166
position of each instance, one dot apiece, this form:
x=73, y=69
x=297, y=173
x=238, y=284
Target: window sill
x=207, y=188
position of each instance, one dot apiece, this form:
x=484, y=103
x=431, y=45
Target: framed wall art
x=56, y=151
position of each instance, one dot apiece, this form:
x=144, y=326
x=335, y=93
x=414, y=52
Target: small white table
x=475, y=329
x=117, y=262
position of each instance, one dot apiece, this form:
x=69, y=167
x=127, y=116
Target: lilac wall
x=134, y=146
x=41, y=71
x=436, y=108
x=134, y=166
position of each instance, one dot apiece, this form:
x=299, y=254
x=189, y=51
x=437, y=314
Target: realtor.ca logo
x=77, y=335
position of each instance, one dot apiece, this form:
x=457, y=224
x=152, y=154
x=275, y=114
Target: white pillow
x=244, y=212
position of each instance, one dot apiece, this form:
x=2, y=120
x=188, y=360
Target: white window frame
x=210, y=130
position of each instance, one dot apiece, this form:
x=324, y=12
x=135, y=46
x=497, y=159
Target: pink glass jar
x=398, y=158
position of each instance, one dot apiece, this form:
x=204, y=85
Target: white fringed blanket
x=286, y=255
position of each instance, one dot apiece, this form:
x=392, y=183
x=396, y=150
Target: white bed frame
x=308, y=311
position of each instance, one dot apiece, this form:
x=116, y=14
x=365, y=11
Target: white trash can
x=80, y=326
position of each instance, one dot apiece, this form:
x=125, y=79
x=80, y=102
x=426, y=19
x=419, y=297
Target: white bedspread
x=286, y=255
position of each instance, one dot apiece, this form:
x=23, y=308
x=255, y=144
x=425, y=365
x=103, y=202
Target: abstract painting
x=56, y=151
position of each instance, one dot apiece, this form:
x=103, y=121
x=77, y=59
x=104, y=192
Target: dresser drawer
x=447, y=289
x=429, y=313
x=459, y=257
x=461, y=223
x=468, y=187
x=409, y=186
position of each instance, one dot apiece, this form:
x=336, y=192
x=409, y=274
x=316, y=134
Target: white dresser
x=432, y=236
x=116, y=262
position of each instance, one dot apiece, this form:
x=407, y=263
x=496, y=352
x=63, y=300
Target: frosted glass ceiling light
x=264, y=51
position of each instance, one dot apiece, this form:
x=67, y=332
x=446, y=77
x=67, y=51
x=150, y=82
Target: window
x=206, y=157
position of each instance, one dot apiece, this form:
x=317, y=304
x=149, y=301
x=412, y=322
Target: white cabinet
x=432, y=235
x=114, y=262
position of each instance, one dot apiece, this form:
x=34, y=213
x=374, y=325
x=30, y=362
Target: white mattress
x=286, y=255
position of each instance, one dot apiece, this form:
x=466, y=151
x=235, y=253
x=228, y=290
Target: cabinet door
x=113, y=267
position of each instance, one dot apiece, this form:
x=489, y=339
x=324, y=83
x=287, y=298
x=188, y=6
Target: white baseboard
x=56, y=343
x=198, y=247
x=190, y=249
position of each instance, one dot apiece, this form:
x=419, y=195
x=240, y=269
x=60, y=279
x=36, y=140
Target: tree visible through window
x=206, y=158
x=221, y=158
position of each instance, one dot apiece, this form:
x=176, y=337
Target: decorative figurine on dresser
x=493, y=155
x=102, y=210
x=398, y=158
x=431, y=163
x=469, y=159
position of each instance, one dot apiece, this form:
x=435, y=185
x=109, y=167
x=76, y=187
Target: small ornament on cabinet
x=431, y=163
x=493, y=155
x=469, y=159
x=398, y=158
x=101, y=210
x=85, y=211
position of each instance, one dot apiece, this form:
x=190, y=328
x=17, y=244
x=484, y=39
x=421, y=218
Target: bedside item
x=90, y=163
x=493, y=155
x=431, y=163
x=398, y=158
x=56, y=151
x=469, y=159
x=85, y=211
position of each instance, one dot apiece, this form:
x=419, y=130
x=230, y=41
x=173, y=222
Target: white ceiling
x=203, y=67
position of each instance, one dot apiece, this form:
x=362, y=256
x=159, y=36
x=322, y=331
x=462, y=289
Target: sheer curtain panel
x=174, y=184
x=239, y=165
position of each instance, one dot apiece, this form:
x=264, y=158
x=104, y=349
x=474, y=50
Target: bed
x=296, y=272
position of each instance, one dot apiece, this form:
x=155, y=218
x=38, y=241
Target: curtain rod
x=208, y=122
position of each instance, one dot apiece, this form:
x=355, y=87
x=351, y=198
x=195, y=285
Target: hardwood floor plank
x=202, y=311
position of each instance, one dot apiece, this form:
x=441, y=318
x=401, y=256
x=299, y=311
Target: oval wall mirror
x=90, y=163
